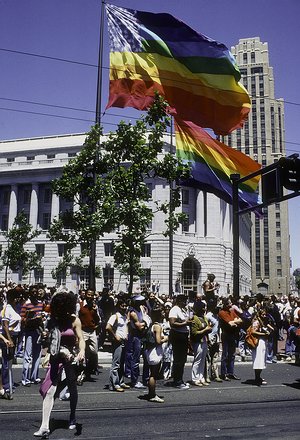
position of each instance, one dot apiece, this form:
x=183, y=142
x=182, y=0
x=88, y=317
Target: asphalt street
x=228, y=410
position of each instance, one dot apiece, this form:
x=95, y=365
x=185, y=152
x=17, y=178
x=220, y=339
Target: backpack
x=148, y=338
x=250, y=339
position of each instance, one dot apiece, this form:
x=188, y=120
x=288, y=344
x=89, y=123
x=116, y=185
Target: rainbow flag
x=212, y=163
x=197, y=76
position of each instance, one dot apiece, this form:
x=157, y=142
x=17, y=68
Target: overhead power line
x=45, y=114
x=23, y=101
x=57, y=116
x=92, y=120
x=63, y=107
x=65, y=60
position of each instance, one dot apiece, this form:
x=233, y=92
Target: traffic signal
x=283, y=174
x=289, y=173
x=271, y=186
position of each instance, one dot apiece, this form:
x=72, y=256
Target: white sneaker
x=36, y=381
x=72, y=424
x=156, y=399
x=183, y=386
x=139, y=386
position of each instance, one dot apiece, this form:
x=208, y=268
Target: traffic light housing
x=289, y=173
x=283, y=174
x=271, y=186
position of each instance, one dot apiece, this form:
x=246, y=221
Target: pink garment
x=67, y=339
x=47, y=382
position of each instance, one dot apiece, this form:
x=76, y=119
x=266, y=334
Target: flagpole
x=171, y=238
x=92, y=260
x=100, y=70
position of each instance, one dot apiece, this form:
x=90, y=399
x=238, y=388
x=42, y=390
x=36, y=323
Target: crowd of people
x=69, y=329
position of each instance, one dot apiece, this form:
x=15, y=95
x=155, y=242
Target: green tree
x=296, y=274
x=16, y=256
x=111, y=180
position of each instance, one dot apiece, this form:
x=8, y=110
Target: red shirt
x=226, y=316
x=89, y=318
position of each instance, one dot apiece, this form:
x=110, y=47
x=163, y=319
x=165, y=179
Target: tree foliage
x=16, y=256
x=108, y=186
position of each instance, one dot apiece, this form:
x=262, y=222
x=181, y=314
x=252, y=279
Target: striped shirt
x=29, y=311
x=36, y=309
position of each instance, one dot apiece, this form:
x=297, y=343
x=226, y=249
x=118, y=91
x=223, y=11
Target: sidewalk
x=105, y=356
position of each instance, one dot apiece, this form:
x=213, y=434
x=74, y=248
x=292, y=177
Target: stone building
x=263, y=139
x=203, y=244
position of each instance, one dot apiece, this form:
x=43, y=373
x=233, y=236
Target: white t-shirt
x=13, y=318
x=121, y=326
x=180, y=315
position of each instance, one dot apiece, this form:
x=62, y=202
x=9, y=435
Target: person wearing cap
x=179, y=337
x=139, y=321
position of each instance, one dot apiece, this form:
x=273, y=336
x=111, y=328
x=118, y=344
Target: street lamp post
x=235, y=234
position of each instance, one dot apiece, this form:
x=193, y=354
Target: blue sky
x=69, y=30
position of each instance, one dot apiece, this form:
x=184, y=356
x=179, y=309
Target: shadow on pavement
x=64, y=424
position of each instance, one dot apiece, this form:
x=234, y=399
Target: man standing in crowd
x=179, y=336
x=229, y=324
x=107, y=308
x=32, y=323
x=90, y=321
x=117, y=327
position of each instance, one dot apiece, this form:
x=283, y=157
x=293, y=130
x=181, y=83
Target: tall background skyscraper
x=263, y=138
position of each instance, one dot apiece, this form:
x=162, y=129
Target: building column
x=13, y=205
x=34, y=205
x=213, y=216
x=54, y=206
x=200, y=214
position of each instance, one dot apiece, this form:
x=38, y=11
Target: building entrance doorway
x=190, y=275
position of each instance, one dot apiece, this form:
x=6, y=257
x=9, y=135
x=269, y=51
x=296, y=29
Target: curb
x=105, y=358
